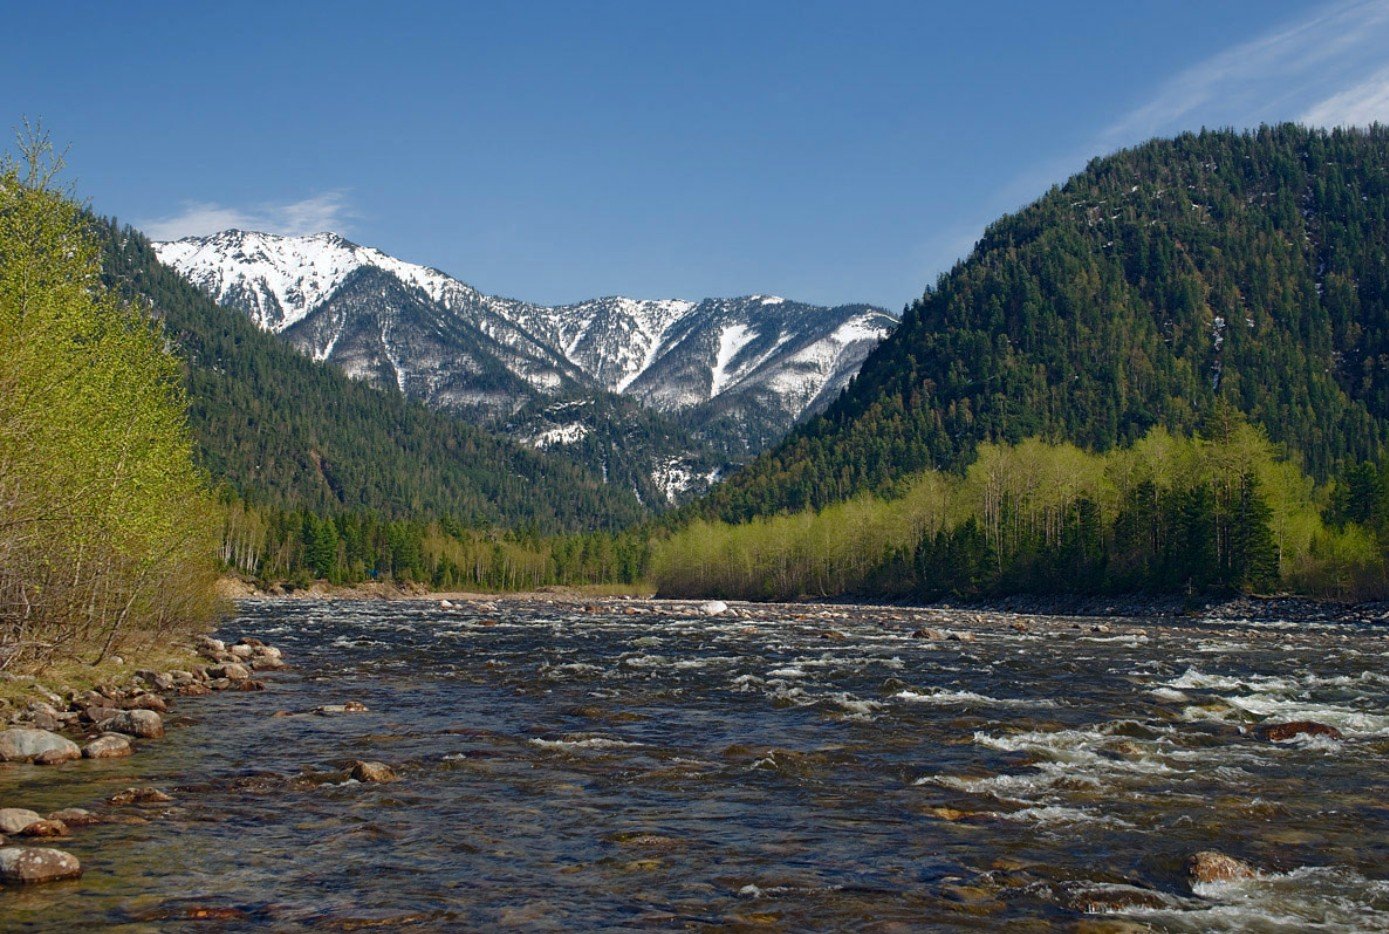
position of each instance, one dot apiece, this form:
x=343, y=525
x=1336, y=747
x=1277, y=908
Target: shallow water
x=806, y=768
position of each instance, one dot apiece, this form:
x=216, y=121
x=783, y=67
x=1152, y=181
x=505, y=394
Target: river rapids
x=637, y=765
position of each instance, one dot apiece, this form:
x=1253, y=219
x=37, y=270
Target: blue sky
x=831, y=152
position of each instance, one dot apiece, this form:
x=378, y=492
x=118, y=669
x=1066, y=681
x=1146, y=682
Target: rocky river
x=642, y=765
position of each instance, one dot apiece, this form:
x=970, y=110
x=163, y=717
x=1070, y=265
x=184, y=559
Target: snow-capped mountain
x=752, y=365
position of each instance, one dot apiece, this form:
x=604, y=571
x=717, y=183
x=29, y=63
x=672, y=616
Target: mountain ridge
x=1164, y=285
x=760, y=362
x=287, y=432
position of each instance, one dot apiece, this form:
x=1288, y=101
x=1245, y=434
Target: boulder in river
x=143, y=723
x=75, y=817
x=13, y=820
x=1213, y=866
x=372, y=772
x=327, y=710
x=35, y=864
x=1282, y=732
x=108, y=746
x=53, y=757
x=21, y=745
x=146, y=795
x=45, y=828
x=713, y=608
x=931, y=635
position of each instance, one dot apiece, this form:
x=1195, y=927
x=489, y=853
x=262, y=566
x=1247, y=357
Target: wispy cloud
x=1284, y=74
x=1366, y=103
x=1328, y=68
x=326, y=211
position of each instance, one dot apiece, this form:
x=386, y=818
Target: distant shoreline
x=1274, y=608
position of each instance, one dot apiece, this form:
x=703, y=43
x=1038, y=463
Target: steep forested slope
x=285, y=431
x=1248, y=270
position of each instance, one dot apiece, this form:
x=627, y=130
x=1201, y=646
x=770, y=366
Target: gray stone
x=327, y=710
x=143, y=723
x=372, y=772
x=75, y=817
x=20, y=745
x=147, y=702
x=35, y=864
x=713, y=608
x=13, y=820
x=108, y=746
x=232, y=671
x=209, y=644
x=100, y=713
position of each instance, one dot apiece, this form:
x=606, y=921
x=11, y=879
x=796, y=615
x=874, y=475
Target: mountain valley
x=661, y=395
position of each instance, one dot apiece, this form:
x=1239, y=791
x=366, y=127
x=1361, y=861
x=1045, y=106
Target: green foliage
x=353, y=547
x=1164, y=285
x=1166, y=514
x=106, y=531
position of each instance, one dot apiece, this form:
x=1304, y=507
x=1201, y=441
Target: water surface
x=802, y=768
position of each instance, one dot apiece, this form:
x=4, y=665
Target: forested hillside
x=285, y=432
x=1220, y=268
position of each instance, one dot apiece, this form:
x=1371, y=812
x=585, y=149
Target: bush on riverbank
x=107, y=536
x=1168, y=514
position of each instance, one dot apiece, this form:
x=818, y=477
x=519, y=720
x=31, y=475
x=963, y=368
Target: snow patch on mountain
x=754, y=365
x=732, y=339
x=278, y=280
x=563, y=434
x=677, y=478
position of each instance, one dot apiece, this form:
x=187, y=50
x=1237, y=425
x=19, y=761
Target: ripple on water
x=581, y=770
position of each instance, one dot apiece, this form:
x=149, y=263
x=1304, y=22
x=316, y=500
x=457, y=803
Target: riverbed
x=637, y=764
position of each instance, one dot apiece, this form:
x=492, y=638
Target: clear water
x=806, y=768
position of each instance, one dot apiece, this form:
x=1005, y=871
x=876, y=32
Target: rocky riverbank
x=107, y=721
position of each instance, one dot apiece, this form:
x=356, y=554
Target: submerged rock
x=21, y=745
x=75, y=817
x=34, y=864
x=108, y=746
x=13, y=820
x=372, y=772
x=1282, y=732
x=146, y=795
x=1213, y=866
x=327, y=710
